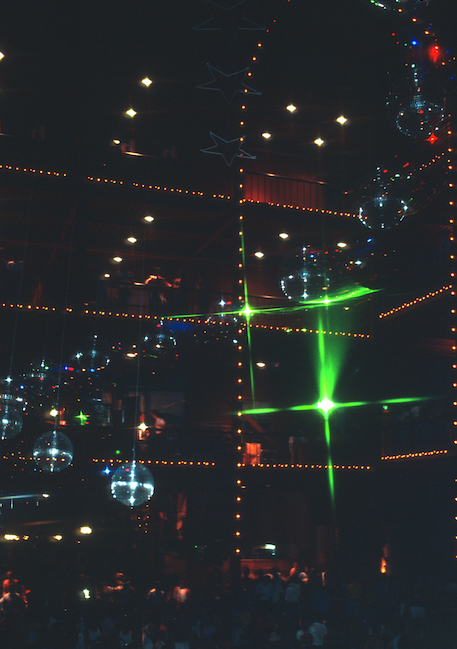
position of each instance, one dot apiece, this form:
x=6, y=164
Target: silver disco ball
x=420, y=117
x=306, y=275
x=53, y=451
x=132, y=484
x=386, y=199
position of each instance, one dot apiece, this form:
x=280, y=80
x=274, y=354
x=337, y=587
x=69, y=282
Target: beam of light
x=23, y=496
x=340, y=298
x=246, y=312
x=326, y=406
x=331, y=482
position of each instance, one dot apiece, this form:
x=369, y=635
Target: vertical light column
x=241, y=361
x=450, y=181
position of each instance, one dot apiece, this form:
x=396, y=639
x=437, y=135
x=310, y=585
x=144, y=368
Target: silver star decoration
x=228, y=21
x=228, y=84
x=228, y=149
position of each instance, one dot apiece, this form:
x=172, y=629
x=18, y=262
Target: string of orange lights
x=417, y=300
x=405, y=456
x=189, y=192
x=242, y=465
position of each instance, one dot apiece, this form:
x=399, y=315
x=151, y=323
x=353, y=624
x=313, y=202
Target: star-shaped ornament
x=228, y=149
x=228, y=21
x=228, y=84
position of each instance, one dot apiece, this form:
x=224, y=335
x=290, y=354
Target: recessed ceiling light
x=130, y=112
x=319, y=141
x=266, y=135
x=283, y=235
x=291, y=108
x=259, y=254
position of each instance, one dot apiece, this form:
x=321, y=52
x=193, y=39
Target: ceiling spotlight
x=116, y=141
x=283, y=235
x=146, y=82
x=291, y=108
x=319, y=141
x=132, y=239
x=2, y=56
x=117, y=259
x=260, y=364
x=341, y=244
x=149, y=219
x=266, y=135
x=259, y=254
x=130, y=112
x=85, y=529
x=341, y=120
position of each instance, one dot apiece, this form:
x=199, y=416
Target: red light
x=434, y=53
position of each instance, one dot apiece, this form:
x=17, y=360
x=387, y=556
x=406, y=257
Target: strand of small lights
x=303, y=209
x=33, y=171
x=198, y=321
x=240, y=360
x=243, y=331
x=194, y=463
x=323, y=467
x=406, y=456
x=240, y=465
x=452, y=257
x=29, y=307
x=199, y=193
x=157, y=187
x=417, y=300
x=309, y=331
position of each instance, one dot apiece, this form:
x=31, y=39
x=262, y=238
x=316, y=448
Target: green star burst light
x=330, y=359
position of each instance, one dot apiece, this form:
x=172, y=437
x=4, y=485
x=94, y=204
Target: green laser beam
x=247, y=314
x=331, y=481
x=337, y=298
x=334, y=406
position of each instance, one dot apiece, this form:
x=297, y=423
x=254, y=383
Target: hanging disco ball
x=132, y=484
x=39, y=375
x=91, y=356
x=420, y=117
x=10, y=420
x=306, y=275
x=386, y=199
x=53, y=451
x=159, y=344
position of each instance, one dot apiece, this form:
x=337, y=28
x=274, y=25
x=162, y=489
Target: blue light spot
x=413, y=42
